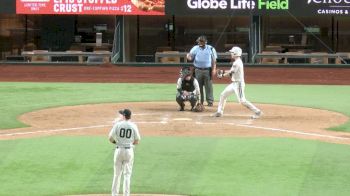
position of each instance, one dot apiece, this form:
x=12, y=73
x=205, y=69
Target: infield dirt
x=163, y=119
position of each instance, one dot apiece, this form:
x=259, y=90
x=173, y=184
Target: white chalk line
x=164, y=121
x=54, y=130
x=73, y=129
x=289, y=131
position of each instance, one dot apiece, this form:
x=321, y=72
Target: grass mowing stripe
x=177, y=165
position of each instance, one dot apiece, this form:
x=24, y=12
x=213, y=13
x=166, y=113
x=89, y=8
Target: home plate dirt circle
x=164, y=119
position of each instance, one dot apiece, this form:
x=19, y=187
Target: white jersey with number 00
x=125, y=133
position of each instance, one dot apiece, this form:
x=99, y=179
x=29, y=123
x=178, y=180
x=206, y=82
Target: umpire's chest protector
x=203, y=57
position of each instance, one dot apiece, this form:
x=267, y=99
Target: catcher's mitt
x=199, y=108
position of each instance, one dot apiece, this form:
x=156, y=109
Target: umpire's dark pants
x=204, y=79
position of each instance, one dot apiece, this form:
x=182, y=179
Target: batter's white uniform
x=125, y=133
x=237, y=86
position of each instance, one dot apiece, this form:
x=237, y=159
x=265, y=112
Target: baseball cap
x=125, y=112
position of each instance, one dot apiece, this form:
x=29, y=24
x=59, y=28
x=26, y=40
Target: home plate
x=182, y=119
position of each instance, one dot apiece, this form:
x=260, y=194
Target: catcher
x=187, y=89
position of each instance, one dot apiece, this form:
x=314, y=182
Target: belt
x=124, y=147
x=207, y=68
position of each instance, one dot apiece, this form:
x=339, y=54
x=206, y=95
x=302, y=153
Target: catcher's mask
x=236, y=51
x=202, y=40
x=185, y=71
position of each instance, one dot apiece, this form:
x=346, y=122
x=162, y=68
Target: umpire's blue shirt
x=203, y=56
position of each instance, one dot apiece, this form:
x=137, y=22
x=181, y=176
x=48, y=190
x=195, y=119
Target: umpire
x=204, y=59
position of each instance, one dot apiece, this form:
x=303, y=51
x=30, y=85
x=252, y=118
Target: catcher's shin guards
x=180, y=101
x=193, y=100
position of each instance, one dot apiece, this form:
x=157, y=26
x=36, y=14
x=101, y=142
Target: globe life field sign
x=258, y=7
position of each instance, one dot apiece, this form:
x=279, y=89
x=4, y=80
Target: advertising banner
x=91, y=7
x=258, y=7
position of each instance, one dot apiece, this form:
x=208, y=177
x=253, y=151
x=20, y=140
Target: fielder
x=237, y=86
x=124, y=135
x=187, y=89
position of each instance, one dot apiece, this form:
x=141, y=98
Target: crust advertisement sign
x=91, y=7
x=258, y=7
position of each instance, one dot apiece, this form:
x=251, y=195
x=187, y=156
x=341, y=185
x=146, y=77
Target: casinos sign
x=335, y=2
x=333, y=7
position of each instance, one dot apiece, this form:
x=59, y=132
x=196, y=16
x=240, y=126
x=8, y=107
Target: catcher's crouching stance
x=187, y=90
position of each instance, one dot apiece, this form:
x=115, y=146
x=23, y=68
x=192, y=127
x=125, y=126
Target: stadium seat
x=170, y=59
x=319, y=60
x=269, y=60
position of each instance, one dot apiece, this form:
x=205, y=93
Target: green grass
x=18, y=98
x=60, y=165
x=177, y=165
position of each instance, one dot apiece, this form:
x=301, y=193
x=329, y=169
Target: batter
x=237, y=86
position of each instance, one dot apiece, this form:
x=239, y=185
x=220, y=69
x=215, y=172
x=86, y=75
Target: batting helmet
x=236, y=51
x=202, y=39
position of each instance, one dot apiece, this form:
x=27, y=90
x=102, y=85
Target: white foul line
x=165, y=122
x=53, y=130
x=289, y=131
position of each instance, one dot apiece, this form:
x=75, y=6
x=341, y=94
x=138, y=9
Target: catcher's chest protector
x=188, y=85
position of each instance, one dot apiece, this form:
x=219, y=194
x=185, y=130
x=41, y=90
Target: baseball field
x=54, y=123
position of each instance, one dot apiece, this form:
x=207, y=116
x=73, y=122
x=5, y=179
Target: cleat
x=210, y=104
x=182, y=107
x=257, y=115
x=217, y=114
x=192, y=107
